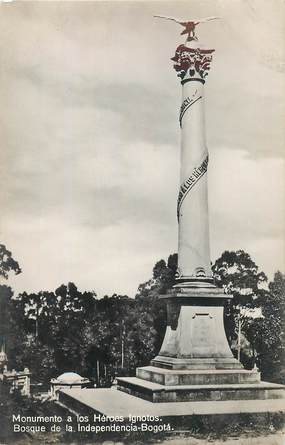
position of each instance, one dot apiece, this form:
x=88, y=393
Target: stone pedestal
x=18, y=380
x=195, y=362
x=195, y=336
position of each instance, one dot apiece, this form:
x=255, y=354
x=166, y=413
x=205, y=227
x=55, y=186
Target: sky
x=90, y=138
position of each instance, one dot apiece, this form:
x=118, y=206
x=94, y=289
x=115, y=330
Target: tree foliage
x=240, y=277
x=268, y=333
x=69, y=330
x=7, y=263
x=259, y=308
x=150, y=293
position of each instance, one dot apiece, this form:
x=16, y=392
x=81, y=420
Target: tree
x=274, y=310
x=152, y=308
x=5, y=324
x=7, y=265
x=240, y=277
x=53, y=323
x=267, y=333
x=260, y=310
x=238, y=274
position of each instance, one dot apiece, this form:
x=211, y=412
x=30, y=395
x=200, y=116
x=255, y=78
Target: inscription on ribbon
x=185, y=105
x=190, y=182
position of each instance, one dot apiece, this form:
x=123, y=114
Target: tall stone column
x=194, y=265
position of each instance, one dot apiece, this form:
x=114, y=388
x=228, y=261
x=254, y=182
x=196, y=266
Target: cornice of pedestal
x=197, y=296
x=192, y=63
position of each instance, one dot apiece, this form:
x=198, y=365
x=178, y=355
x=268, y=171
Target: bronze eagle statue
x=189, y=25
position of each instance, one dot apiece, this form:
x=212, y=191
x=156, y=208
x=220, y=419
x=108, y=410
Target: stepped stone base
x=110, y=402
x=156, y=392
x=196, y=363
x=197, y=377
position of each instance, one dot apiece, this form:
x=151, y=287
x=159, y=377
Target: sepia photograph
x=142, y=228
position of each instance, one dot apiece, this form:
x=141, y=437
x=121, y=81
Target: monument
x=195, y=364
x=195, y=361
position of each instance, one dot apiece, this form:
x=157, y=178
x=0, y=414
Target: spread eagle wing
x=206, y=19
x=184, y=22
x=180, y=21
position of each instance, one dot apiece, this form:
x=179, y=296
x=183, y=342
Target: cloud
x=90, y=154
x=247, y=207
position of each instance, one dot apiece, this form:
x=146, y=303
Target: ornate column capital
x=192, y=63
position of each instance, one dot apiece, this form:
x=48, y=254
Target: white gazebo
x=67, y=380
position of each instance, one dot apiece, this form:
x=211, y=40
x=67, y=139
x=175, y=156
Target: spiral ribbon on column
x=187, y=103
x=189, y=183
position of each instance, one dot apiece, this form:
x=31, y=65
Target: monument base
x=160, y=385
x=197, y=377
x=110, y=402
x=195, y=362
x=195, y=336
